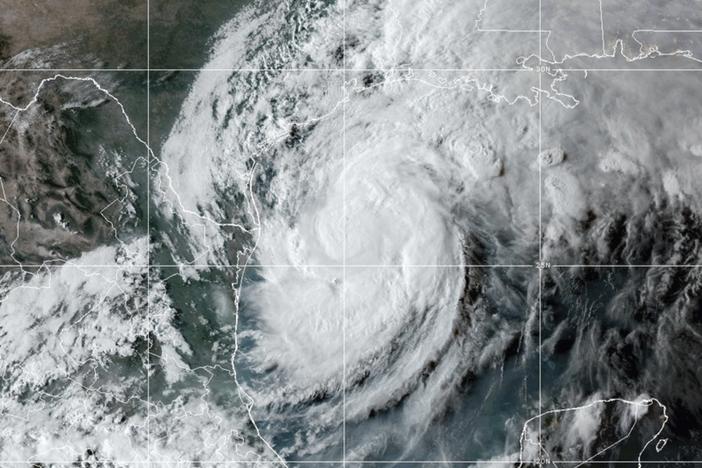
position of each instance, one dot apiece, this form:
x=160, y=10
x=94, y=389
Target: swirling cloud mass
x=432, y=230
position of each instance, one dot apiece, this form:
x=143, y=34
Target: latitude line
x=369, y=266
x=267, y=70
x=341, y=70
x=360, y=462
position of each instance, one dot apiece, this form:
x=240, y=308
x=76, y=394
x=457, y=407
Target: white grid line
x=264, y=70
x=623, y=70
x=148, y=230
x=348, y=266
x=360, y=462
x=541, y=257
x=344, y=228
x=341, y=70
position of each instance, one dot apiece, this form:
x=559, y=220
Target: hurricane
x=377, y=232
x=360, y=193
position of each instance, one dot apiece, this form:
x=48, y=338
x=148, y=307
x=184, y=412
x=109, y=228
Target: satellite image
x=365, y=233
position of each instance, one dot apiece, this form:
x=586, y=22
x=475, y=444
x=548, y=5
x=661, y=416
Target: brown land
x=94, y=32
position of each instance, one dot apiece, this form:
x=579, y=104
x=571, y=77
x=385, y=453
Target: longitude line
x=148, y=232
x=343, y=199
x=541, y=259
